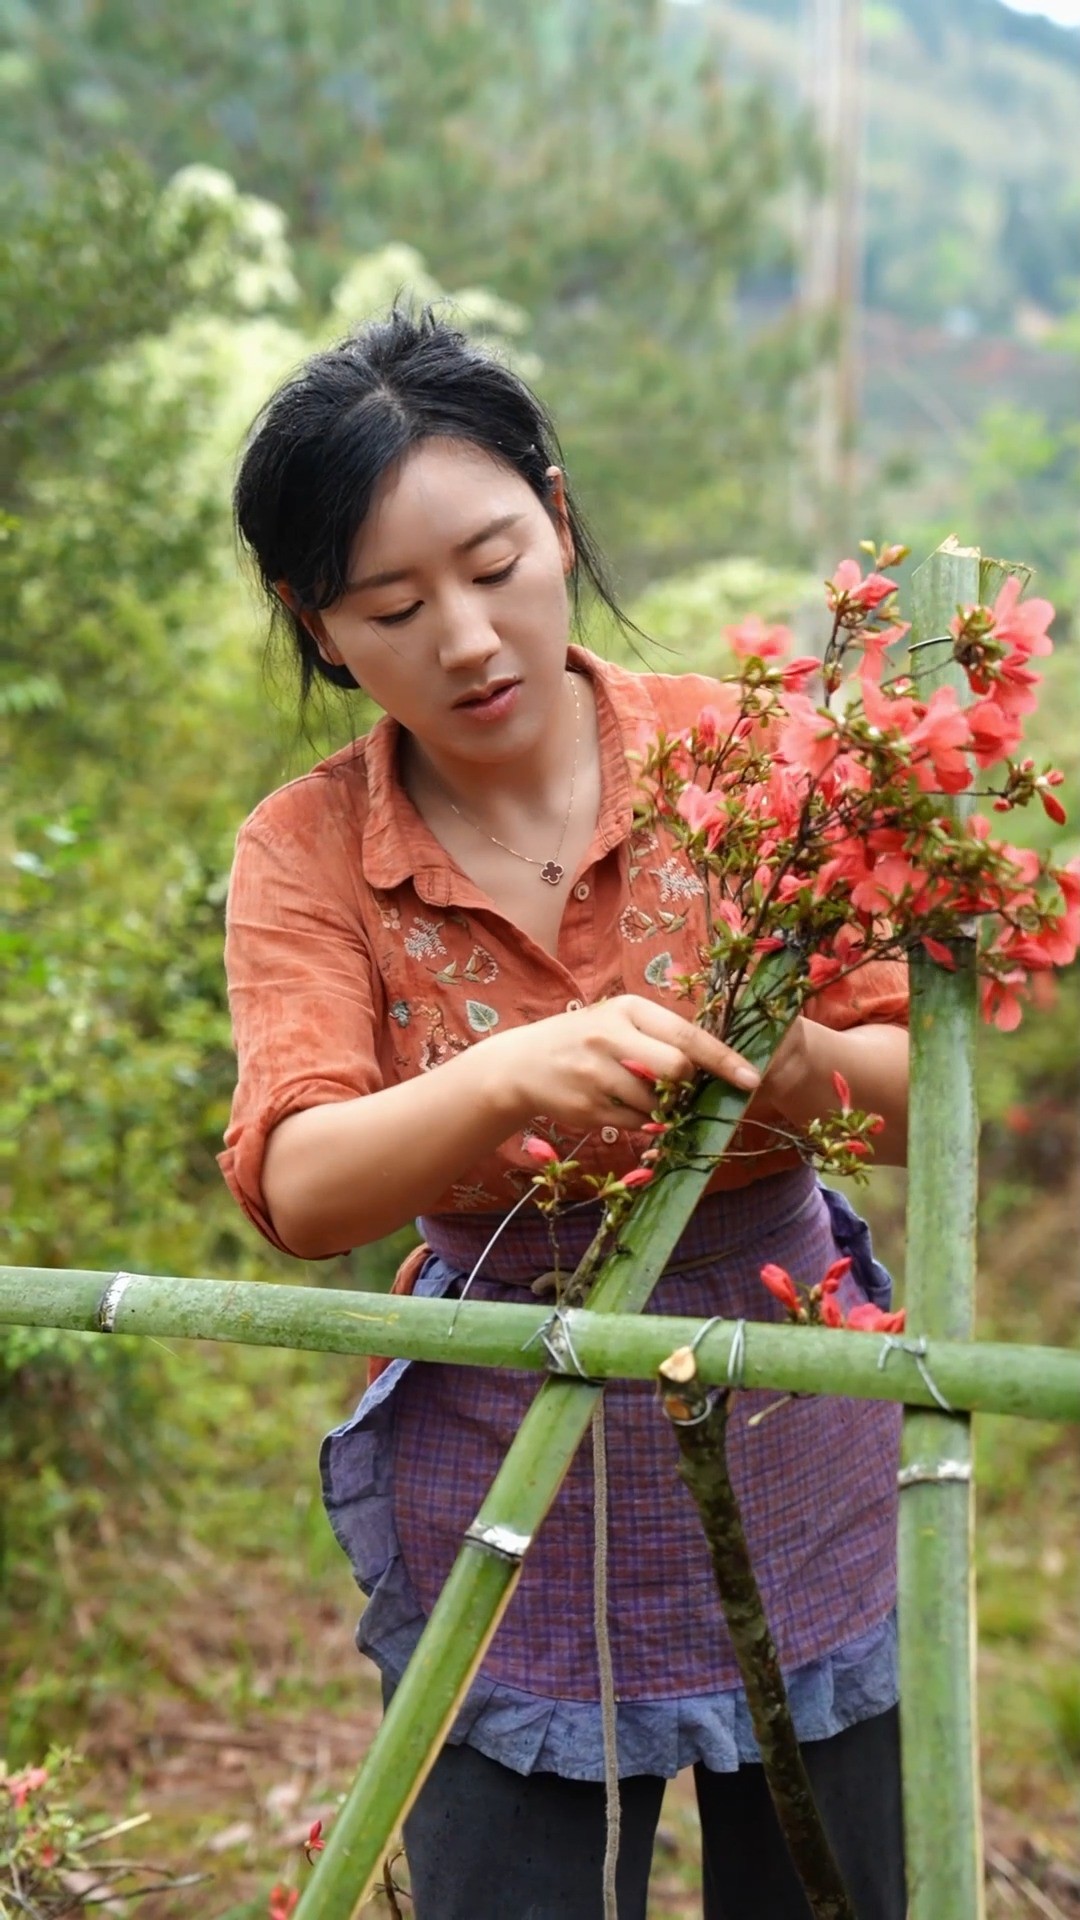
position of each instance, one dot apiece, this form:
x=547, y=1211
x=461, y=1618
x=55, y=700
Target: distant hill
x=972, y=153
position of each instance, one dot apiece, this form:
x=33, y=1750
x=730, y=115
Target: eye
x=496, y=579
x=396, y=619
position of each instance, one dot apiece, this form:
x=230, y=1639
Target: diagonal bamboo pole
x=942, y=1809
x=1040, y=1383
x=482, y=1580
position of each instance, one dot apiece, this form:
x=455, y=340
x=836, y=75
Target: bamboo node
x=109, y=1303
x=495, y=1538
x=933, y=1472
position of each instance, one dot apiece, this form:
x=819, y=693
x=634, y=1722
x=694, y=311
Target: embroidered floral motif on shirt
x=387, y=910
x=638, y=851
x=676, y=881
x=635, y=924
x=401, y=1012
x=482, y=966
x=439, y=1044
x=480, y=1016
x=474, y=1195
x=657, y=971
x=423, y=942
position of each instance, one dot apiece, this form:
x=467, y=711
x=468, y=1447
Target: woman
x=444, y=939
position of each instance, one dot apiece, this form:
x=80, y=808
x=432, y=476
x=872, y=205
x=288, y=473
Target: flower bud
x=781, y=1286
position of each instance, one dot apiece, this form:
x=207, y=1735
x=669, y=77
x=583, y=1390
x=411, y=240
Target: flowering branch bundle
x=822, y=821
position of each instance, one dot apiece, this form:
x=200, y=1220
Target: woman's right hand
x=596, y=1066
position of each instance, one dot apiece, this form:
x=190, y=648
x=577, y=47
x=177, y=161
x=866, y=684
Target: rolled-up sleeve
x=875, y=994
x=303, y=994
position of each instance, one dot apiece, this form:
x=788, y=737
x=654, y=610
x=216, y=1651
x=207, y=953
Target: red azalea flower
x=781, y=1286
x=22, y=1785
x=703, y=813
x=752, y=639
x=843, y=1092
x=539, y=1150
x=837, y=1271
x=939, y=952
x=866, y=1318
x=848, y=584
x=808, y=740
x=1022, y=623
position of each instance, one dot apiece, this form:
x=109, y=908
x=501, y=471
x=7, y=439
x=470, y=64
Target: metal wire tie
x=916, y=1349
x=109, y=1304
x=933, y=1472
x=554, y=1336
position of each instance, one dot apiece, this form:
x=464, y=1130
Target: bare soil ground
x=234, y=1770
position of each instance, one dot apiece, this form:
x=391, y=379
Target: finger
x=661, y=1062
x=704, y=1049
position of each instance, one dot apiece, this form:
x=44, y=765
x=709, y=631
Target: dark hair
x=324, y=440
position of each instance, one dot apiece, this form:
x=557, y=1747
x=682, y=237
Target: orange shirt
x=358, y=954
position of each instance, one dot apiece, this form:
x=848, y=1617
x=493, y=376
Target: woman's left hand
x=799, y=1085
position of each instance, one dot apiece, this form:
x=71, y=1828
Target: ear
x=557, y=486
x=311, y=622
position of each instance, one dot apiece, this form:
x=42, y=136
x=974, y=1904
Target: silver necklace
x=550, y=870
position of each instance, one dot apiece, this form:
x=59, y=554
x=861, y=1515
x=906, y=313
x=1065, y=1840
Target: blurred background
x=789, y=273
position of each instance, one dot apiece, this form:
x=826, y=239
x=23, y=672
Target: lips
x=484, y=695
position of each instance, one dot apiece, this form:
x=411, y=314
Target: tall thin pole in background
x=831, y=276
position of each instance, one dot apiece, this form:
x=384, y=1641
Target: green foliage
x=686, y=614
x=621, y=196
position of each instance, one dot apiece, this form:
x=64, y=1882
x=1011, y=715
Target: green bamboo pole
x=942, y=1805
x=481, y=1584
x=1039, y=1383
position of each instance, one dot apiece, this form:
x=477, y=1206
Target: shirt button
x=609, y=1135
x=574, y=1006
x=581, y=891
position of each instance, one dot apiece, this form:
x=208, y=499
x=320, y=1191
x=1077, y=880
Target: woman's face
x=456, y=618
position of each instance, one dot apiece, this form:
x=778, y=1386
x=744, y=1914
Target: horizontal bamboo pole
x=1041, y=1383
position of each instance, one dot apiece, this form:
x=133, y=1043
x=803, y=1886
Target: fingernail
x=747, y=1077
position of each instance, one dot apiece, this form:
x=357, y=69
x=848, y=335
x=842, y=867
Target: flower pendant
x=552, y=872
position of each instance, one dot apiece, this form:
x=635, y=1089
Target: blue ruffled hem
x=529, y=1732
x=532, y=1734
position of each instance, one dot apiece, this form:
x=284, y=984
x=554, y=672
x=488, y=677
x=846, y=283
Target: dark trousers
x=484, y=1843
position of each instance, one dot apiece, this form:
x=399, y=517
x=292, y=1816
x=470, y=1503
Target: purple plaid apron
x=816, y=1481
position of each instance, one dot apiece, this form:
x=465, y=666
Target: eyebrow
x=391, y=578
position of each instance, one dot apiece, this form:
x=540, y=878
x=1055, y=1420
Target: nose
x=467, y=638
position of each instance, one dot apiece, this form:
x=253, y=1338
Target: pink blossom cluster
x=20, y=1786
x=826, y=822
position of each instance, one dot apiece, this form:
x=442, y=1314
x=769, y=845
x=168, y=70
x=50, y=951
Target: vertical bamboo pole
x=942, y=1812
